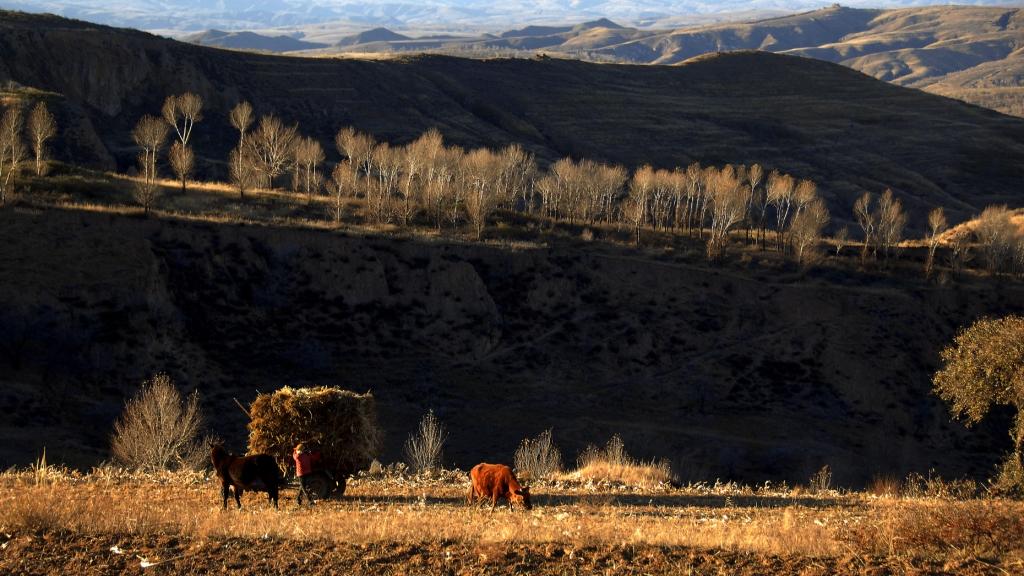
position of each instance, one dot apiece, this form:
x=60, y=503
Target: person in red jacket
x=307, y=458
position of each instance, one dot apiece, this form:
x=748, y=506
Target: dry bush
x=885, y=485
x=975, y=529
x=613, y=464
x=159, y=429
x=424, y=448
x=821, y=481
x=342, y=423
x=538, y=457
x=917, y=485
x=997, y=235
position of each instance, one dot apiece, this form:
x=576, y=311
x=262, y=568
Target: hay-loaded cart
x=341, y=424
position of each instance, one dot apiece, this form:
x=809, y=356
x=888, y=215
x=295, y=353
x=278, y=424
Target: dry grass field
x=113, y=522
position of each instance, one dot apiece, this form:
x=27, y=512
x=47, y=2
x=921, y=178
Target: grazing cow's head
x=521, y=496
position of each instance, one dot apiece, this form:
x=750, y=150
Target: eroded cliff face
x=729, y=373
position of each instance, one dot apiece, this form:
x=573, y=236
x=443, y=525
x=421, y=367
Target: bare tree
x=515, y=174
x=841, y=238
x=270, y=146
x=936, y=226
x=41, y=127
x=867, y=219
x=182, y=162
x=341, y=178
x=781, y=189
x=308, y=156
x=891, y=220
x=149, y=135
x=387, y=162
x=12, y=151
x=480, y=168
x=242, y=119
x=805, y=230
x=959, y=250
x=181, y=113
x=728, y=205
x=996, y=234
x=636, y=206
x=159, y=429
x=242, y=173
x=758, y=201
x=358, y=148
x=440, y=184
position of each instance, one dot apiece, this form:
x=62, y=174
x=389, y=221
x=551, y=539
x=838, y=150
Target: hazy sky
x=482, y=14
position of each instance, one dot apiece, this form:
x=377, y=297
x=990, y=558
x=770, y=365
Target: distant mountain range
x=972, y=53
x=197, y=15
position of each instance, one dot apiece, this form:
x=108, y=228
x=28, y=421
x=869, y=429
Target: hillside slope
x=730, y=373
x=807, y=117
x=917, y=47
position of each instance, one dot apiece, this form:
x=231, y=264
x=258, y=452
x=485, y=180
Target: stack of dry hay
x=343, y=424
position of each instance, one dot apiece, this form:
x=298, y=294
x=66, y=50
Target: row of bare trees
x=14, y=154
x=429, y=182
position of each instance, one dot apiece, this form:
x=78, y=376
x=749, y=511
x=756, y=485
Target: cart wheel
x=319, y=485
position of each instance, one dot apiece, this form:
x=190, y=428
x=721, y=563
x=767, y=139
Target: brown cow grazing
x=497, y=481
x=258, y=472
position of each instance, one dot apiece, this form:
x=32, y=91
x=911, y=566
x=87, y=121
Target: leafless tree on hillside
x=439, y=193
x=514, y=179
x=240, y=167
x=242, y=119
x=780, y=189
x=891, y=221
x=182, y=162
x=358, y=148
x=41, y=127
x=805, y=230
x=341, y=180
x=996, y=234
x=480, y=167
x=636, y=205
x=12, y=151
x=959, y=250
x=387, y=162
x=841, y=238
x=936, y=226
x=270, y=146
x=867, y=219
x=149, y=135
x=695, y=186
x=728, y=204
x=308, y=155
x=181, y=113
x=757, y=201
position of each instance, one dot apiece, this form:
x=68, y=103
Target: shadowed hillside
x=724, y=371
x=813, y=119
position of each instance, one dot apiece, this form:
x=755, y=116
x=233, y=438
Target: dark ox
x=258, y=473
x=496, y=481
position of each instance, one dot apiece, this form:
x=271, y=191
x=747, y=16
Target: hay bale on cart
x=341, y=423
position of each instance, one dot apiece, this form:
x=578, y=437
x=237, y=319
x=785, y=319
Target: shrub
x=159, y=429
x=424, y=447
x=821, y=481
x=613, y=464
x=538, y=457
